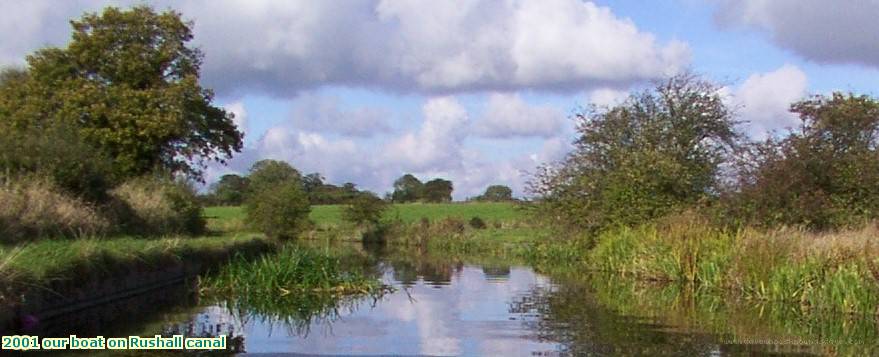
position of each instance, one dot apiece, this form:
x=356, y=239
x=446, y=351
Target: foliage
x=366, y=209
x=158, y=206
x=321, y=193
x=407, y=188
x=128, y=84
x=660, y=150
x=823, y=175
x=280, y=211
x=57, y=153
x=268, y=174
x=496, y=193
x=230, y=190
x=438, y=190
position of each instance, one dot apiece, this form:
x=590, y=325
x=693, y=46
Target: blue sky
x=480, y=91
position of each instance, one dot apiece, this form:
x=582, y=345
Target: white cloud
x=437, y=143
x=26, y=26
x=766, y=97
x=843, y=31
x=283, y=47
x=607, y=97
x=326, y=114
x=507, y=115
x=237, y=109
x=437, y=148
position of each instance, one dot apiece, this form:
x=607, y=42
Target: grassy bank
x=810, y=271
x=830, y=271
x=58, y=267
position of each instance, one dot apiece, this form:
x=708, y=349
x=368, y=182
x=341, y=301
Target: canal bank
x=49, y=280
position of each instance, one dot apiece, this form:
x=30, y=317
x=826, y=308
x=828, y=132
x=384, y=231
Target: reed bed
x=828, y=271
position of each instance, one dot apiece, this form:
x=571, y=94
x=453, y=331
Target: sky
x=480, y=92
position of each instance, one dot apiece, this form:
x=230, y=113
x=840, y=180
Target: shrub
x=59, y=154
x=158, y=206
x=824, y=175
x=32, y=209
x=477, y=223
x=659, y=151
x=280, y=211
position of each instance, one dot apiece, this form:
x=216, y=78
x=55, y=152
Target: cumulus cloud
x=283, y=47
x=844, y=31
x=437, y=143
x=237, y=109
x=437, y=148
x=764, y=99
x=26, y=26
x=507, y=115
x=606, y=97
x=431, y=46
x=326, y=114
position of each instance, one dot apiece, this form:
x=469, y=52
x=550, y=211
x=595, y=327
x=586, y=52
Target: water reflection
x=496, y=273
x=463, y=317
x=444, y=306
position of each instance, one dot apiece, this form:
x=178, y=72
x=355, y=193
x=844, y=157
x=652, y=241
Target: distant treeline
x=232, y=190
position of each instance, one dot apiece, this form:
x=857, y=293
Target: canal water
x=443, y=306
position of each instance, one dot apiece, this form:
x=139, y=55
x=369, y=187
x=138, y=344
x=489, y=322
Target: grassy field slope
x=224, y=218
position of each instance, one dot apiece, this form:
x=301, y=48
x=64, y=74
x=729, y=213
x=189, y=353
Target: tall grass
x=829, y=271
x=159, y=207
x=294, y=286
x=36, y=208
x=294, y=270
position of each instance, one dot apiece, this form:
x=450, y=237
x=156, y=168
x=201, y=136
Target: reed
x=827, y=271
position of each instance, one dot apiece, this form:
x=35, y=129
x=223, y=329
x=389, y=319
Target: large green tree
x=128, y=84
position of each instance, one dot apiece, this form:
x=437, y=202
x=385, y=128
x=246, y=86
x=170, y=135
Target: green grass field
x=224, y=218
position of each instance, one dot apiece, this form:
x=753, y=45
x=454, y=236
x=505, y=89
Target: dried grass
x=36, y=208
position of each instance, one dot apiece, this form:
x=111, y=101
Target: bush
x=477, y=223
x=366, y=209
x=824, y=175
x=659, y=151
x=59, y=154
x=32, y=209
x=157, y=206
x=280, y=211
